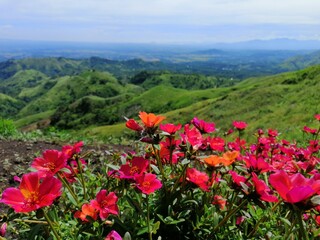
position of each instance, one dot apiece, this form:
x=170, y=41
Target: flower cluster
x=187, y=181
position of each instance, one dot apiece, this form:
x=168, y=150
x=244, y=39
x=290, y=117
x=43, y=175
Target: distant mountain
x=272, y=44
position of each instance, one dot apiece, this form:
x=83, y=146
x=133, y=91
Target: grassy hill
x=286, y=102
x=95, y=100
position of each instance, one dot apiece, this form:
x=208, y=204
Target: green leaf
x=127, y=236
x=185, y=161
x=315, y=200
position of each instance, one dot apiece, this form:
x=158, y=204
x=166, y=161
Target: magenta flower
x=148, y=183
x=240, y=125
x=199, y=178
x=137, y=166
x=192, y=136
x=295, y=188
x=51, y=162
x=3, y=229
x=105, y=204
x=263, y=191
x=33, y=193
x=113, y=235
x=202, y=126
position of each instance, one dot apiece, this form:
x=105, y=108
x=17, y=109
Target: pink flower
x=199, y=178
x=148, y=183
x=295, y=188
x=51, y=162
x=33, y=193
x=263, y=190
x=202, y=126
x=310, y=130
x=105, y=204
x=3, y=229
x=317, y=116
x=240, y=125
x=257, y=165
x=113, y=235
x=192, y=136
x=135, y=167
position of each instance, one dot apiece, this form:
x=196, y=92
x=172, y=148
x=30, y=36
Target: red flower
x=203, y=127
x=170, y=128
x=295, y=188
x=263, y=190
x=137, y=166
x=133, y=125
x=220, y=201
x=51, y=162
x=87, y=212
x=33, y=193
x=150, y=120
x=317, y=116
x=240, y=125
x=216, y=143
x=71, y=150
x=113, y=235
x=198, y=178
x=105, y=204
x=148, y=183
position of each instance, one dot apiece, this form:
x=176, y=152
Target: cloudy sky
x=160, y=21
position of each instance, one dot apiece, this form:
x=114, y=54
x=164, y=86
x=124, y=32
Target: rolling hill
x=96, y=101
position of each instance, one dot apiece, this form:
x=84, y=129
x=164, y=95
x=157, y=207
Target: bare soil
x=16, y=156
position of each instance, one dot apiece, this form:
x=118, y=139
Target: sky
x=159, y=21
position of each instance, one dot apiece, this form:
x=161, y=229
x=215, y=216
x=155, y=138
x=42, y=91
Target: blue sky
x=159, y=21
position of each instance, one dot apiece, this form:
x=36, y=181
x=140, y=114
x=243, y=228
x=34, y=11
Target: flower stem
x=148, y=218
x=81, y=177
x=262, y=220
x=55, y=233
x=230, y=214
x=67, y=185
x=302, y=230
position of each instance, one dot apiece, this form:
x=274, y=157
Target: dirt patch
x=16, y=156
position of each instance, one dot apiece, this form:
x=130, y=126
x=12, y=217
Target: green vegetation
x=96, y=101
x=7, y=127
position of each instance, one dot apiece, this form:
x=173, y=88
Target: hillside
x=95, y=98
x=286, y=102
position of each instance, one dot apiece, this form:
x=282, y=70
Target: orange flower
x=227, y=159
x=213, y=160
x=150, y=120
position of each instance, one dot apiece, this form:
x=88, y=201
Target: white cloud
x=158, y=18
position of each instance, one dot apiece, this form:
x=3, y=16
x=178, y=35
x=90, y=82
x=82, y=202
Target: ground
x=16, y=156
